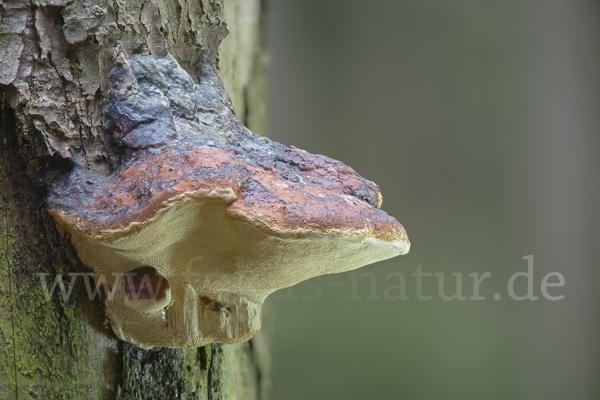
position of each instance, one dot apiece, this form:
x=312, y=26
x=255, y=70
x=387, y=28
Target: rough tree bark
x=55, y=56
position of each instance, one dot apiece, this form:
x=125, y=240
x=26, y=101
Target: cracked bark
x=55, y=56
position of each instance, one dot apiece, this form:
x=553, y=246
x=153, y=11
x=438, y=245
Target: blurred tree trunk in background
x=55, y=56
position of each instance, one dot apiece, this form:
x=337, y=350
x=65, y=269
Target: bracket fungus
x=202, y=219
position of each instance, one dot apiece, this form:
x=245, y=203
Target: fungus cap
x=221, y=216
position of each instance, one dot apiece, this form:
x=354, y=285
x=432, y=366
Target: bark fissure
x=215, y=381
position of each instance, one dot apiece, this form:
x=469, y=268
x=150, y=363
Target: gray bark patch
x=11, y=46
x=74, y=31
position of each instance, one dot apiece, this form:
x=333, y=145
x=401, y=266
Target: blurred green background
x=480, y=122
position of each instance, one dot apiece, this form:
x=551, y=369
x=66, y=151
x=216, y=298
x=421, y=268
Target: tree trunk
x=55, y=56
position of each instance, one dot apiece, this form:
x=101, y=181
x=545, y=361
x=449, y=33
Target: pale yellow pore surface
x=220, y=271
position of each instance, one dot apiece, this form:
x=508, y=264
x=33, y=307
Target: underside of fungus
x=202, y=219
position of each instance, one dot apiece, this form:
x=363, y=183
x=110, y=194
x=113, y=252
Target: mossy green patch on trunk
x=49, y=348
x=7, y=331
